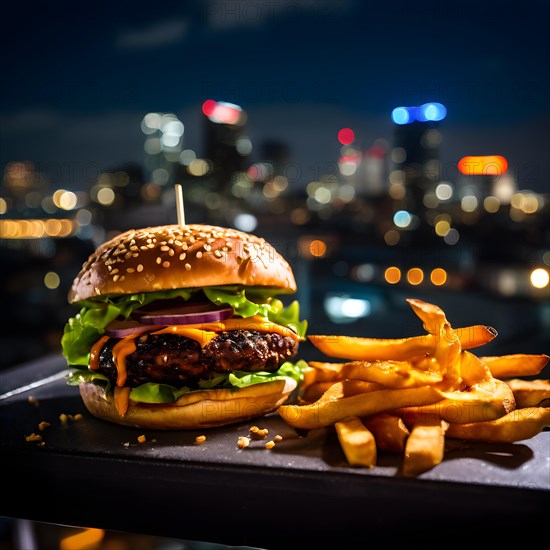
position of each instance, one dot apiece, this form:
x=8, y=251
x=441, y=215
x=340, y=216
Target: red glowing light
x=208, y=107
x=346, y=136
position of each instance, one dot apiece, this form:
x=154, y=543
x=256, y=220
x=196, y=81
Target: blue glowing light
x=429, y=112
x=402, y=218
x=401, y=115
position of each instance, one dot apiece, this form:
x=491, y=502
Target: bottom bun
x=198, y=409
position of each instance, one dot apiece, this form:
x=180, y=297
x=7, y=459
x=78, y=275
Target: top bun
x=173, y=256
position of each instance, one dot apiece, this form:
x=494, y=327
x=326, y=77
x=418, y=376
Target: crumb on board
x=270, y=444
x=43, y=425
x=278, y=438
x=200, y=439
x=243, y=442
x=64, y=418
x=33, y=438
x=126, y=444
x=258, y=433
x=141, y=438
x=32, y=400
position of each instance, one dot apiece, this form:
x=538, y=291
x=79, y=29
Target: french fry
x=321, y=372
x=488, y=400
x=425, y=446
x=399, y=349
x=448, y=347
x=519, y=364
x=392, y=374
x=515, y=426
x=389, y=431
x=347, y=388
x=475, y=336
x=530, y=393
x=326, y=412
x=473, y=370
x=314, y=391
x=357, y=442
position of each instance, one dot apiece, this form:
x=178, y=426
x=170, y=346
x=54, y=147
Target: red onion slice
x=186, y=314
x=121, y=329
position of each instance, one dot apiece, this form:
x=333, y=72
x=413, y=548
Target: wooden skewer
x=179, y=204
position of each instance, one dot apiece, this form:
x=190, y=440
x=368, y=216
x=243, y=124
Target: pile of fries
x=408, y=395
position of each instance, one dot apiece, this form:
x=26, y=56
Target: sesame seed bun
x=198, y=409
x=172, y=256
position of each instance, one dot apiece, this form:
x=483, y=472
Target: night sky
x=77, y=82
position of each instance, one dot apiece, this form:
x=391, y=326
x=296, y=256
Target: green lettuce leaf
x=151, y=392
x=87, y=326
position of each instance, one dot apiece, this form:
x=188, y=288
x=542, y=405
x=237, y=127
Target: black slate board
x=92, y=473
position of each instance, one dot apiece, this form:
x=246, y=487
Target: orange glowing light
x=317, y=248
x=82, y=540
x=392, y=275
x=415, y=276
x=438, y=276
x=491, y=165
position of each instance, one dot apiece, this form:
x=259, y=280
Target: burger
x=183, y=327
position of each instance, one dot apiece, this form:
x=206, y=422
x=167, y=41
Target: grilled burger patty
x=179, y=361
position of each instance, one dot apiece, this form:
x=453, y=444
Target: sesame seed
x=171, y=252
x=135, y=255
x=166, y=264
x=130, y=270
x=207, y=247
x=188, y=267
x=115, y=278
x=199, y=254
x=164, y=248
x=123, y=277
x=182, y=256
x=139, y=268
x=127, y=256
x=159, y=259
x=114, y=271
x=217, y=253
x=143, y=247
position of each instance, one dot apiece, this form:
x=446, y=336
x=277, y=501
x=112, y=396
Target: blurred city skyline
x=78, y=87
